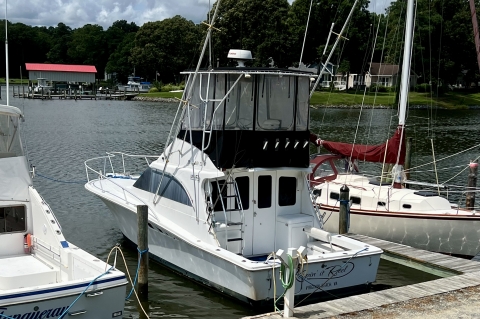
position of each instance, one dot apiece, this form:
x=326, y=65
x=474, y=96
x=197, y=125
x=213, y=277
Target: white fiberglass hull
x=104, y=299
x=252, y=283
x=445, y=233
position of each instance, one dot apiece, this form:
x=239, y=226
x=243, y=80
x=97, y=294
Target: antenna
x=6, y=53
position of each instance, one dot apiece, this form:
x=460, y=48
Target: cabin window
x=243, y=184
x=12, y=219
x=264, y=191
x=408, y=206
x=287, y=191
x=170, y=187
x=207, y=86
x=334, y=195
x=381, y=204
x=355, y=200
x=239, y=104
x=302, y=103
x=276, y=103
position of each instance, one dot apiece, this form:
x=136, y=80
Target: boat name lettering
x=336, y=271
x=49, y=313
x=325, y=285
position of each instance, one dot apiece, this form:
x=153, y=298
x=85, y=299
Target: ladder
x=229, y=197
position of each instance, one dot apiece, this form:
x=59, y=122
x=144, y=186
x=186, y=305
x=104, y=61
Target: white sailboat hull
x=457, y=234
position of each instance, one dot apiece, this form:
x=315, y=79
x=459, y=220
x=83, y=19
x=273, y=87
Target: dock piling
x=142, y=238
x=472, y=185
x=344, y=212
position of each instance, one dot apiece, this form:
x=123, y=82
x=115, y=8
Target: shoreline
x=417, y=107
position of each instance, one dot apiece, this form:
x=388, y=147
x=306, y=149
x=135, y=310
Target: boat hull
x=106, y=300
x=253, y=286
x=450, y=234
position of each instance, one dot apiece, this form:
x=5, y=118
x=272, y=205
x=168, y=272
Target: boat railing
x=109, y=177
x=46, y=250
x=313, y=198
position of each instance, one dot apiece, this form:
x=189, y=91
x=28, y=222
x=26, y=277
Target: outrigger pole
x=339, y=35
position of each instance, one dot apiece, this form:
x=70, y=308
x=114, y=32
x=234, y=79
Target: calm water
x=61, y=135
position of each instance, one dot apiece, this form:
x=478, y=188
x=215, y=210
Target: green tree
x=61, y=36
x=119, y=61
x=168, y=46
x=88, y=46
x=256, y=25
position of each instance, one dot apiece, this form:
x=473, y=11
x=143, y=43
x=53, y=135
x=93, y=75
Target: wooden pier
x=464, y=273
x=22, y=92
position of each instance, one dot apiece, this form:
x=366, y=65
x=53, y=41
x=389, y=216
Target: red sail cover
x=369, y=153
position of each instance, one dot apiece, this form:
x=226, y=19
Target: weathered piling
x=408, y=158
x=344, y=211
x=472, y=185
x=142, y=239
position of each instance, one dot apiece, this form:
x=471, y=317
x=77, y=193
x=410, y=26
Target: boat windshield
x=10, y=143
x=261, y=102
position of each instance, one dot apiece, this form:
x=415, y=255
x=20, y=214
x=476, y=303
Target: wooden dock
x=464, y=273
x=20, y=92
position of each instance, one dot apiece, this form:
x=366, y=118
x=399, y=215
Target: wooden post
x=142, y=238
x=408, y=158
x=472, y=185
x=344, y=212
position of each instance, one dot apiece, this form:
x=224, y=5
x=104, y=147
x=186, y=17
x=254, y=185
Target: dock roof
x=60, y=67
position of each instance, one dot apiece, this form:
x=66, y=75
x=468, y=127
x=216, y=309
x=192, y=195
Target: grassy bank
x=450, y=100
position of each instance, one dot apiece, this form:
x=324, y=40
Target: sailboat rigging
x=386, y=209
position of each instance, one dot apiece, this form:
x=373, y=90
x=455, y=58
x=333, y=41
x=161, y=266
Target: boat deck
x=25, y=271
x=468, y=275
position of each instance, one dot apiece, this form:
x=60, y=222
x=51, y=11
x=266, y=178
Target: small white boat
x=136, y=84
x=42, y=86
x=42, y=275
x=230, y=190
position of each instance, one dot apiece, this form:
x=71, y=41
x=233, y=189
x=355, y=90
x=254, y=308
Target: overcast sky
x=77, y=13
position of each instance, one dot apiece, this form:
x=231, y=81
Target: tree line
x=273, y=30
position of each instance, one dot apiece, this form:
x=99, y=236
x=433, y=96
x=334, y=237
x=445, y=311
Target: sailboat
x=388, y=210
x=229, y=192
x=42, y=275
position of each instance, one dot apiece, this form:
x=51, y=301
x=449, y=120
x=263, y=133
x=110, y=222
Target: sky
x=77, y=13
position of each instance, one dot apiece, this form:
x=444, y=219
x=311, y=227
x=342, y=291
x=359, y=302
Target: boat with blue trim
x=42, y=275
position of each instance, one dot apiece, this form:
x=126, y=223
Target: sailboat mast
x=473, y=11
x=6, y=54
x=407, y=57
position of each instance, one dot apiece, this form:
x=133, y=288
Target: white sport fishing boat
x=41, y=274
x=388, y=210
x=230, y=189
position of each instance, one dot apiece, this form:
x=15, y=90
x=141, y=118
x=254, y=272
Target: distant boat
x=134, y=84
x=42, y=86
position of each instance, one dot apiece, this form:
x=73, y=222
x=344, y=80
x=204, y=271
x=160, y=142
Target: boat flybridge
x=41, y=274
x=230, y=189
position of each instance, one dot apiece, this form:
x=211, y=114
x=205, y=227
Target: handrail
x=314, y=202
x=103, y=176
